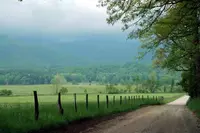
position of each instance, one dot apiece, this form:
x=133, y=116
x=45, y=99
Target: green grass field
x=17, y=112
x=48, y=89
x=80, y=97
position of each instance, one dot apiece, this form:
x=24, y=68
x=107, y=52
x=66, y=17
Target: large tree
x=57, y=81
x=168, y=27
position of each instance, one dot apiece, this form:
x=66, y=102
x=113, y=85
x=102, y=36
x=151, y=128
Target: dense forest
x=129, y=73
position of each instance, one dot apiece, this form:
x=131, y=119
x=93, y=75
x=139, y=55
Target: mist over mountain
x=56, y=50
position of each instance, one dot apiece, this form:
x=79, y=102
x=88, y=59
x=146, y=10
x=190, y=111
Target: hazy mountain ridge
x=83, y=50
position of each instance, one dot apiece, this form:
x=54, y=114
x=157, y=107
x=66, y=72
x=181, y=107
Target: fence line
x=130, y=100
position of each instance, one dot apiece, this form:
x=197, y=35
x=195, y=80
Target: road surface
x=171, y=118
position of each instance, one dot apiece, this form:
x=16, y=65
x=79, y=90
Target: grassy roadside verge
x=171, y=99
x=18, y=116
x=194, y=105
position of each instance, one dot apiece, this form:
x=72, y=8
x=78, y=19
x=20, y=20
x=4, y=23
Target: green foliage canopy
x=170, y=28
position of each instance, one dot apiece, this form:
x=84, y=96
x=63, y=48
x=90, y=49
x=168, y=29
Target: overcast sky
x=54, y=16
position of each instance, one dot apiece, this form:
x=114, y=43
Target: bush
x=141, y=89
x=128, y=88
x=85, y=91
x=122, y=91
x=5, y=93
x=193, y=104
x=178, y=89
x=111, y=89
x=100, y=92
x=64, y=90
x=75, y=82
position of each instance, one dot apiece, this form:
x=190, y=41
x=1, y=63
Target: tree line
x=129, y=73
x=24, y=77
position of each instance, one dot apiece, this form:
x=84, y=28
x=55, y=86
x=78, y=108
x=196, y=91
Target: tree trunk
x=192, y=80
x=197, y=57
x=197, y=77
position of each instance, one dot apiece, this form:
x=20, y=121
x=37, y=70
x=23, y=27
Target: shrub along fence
x=130, y=100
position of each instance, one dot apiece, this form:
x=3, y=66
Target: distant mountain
x=82, y=50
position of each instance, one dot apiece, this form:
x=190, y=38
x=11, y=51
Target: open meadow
x=49, y=89
x=17, y=112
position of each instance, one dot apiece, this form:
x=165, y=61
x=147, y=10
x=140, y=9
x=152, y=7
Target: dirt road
x=171, y=118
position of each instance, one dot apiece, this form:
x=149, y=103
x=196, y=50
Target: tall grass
x=17, y=116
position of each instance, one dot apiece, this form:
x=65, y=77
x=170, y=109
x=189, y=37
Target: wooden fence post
x=59, y=104
x=156, y=98
x=136, y=98
x=159, y=98
x=125, y=99
x=142, y=97
x=153, y=97
x=120, y=100
x=36, y=105
x=98, y=101
x=113, y=100
x=129, y=99
x=162, y=98
x=75, y=104
x=107, y=101
x=86, y=100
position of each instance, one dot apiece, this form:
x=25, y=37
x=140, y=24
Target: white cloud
x=54, y=15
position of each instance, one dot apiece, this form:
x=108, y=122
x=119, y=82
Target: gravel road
x=171, y=118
